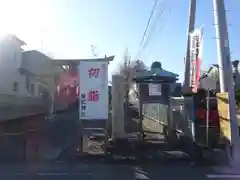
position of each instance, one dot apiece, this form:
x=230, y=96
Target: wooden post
x=118, y=107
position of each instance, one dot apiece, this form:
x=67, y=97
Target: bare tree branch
x=129, y=69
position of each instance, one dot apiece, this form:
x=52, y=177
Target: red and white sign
x=93, y=91
x=196, y=45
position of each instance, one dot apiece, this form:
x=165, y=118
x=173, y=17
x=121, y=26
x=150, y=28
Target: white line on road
x=217, y=176
x=141, y=176
x=19, y=174
x=83, y=174
x=52, y=174
x=56, y=174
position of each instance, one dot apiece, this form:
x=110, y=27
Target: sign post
x=93, y=98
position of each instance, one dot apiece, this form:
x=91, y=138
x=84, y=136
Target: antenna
x=42, y=31
x=94, y=49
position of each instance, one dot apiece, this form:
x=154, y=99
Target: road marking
x=215, y=176
x=56, y=174
x=60, y=162
x=52, y=174
x=83, y=174
x=141, y=176
x=19, y=174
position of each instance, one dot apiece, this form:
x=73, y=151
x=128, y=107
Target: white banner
x=93, y=90
x=196, y=45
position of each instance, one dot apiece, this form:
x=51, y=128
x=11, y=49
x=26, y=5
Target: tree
x=129, y=68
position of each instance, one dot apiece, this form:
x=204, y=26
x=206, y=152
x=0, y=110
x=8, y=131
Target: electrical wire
x=161, y=27
x=158, y=20
x=147, y=26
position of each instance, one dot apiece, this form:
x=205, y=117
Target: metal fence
x=156, y=111
x=176, y=115
x=181, y=115
x=155, y=117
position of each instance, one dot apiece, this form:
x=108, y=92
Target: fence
x=155, y=117
x=177, y=115
x=181, y=115
x=12, y=106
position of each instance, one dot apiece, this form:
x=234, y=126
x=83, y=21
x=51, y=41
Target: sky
x=68, y=28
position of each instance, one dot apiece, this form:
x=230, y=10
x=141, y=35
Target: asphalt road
x=60, y=131
x=101, y=171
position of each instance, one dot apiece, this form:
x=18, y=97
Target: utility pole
x=191, y=24
x=225, y=70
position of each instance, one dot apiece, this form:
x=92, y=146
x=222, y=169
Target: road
x=60, y=133
x=101, y=171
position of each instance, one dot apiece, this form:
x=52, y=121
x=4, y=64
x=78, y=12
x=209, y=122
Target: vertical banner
x=224, y=117
x=93, y=90
x=196, y=50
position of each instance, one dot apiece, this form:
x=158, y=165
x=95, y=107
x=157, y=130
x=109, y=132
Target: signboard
x=208, y=83
x=196, y=43
x=224, y=117
x=155, y=89
x=93, y=91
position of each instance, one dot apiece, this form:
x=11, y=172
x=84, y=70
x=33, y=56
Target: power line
x=149, y=20
x=158, y=21
x=161, y=27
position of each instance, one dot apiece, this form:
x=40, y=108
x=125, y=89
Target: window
x=15, y=86
x=32, y=89
x=27, y=83
x=14, y=56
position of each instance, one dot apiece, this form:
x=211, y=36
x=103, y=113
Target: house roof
x=76, y=61
x=159, y=72
x=37, y=63
x=28, y=55
x=13, y=37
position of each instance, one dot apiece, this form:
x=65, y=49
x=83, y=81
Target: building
x=24, y=75
x=210, y=78
x=31, y=82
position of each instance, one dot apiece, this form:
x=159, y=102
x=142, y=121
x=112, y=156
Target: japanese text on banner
x=94, y=85
x=93, y=72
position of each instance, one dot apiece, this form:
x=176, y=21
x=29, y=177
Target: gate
x=155, y=117
x=181, y=117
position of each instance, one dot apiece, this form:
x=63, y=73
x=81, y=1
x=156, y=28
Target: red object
x=213, y=115
x=93, y=72
x=67, y=89
x=93, y=95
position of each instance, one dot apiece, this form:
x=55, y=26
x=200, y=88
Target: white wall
x=10, y=61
